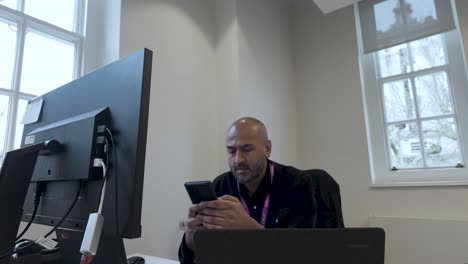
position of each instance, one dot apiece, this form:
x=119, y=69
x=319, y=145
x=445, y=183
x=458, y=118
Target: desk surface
x=155, y=260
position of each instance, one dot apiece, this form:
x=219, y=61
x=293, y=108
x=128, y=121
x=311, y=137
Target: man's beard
x=254, y=171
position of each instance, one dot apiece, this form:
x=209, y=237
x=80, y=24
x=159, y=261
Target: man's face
x=247, y=153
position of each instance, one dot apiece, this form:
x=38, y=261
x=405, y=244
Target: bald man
x=256, y=193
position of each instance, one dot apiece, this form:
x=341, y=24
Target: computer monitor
x=82, y=115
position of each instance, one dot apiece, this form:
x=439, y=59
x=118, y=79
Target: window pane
x=4, y=105
x=433, y=95
x=48, y=63
x=404, y=146
x=441, y=142
x=393, y=61
x=57, y=12
x=399, y=101
x=19, y=127
x=384, y=20
x=7, y=53
x=428, y=52
x=422, y=12
x=9, y=3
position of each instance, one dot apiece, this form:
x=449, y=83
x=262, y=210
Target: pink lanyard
x=266, y=206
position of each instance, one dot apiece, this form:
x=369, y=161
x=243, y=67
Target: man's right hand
x=193, y=224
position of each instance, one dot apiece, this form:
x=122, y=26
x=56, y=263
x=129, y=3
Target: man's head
x=248, y=149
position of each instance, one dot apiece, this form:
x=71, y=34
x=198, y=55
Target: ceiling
x=328, y=6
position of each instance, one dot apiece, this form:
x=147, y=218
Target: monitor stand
x=110, y=250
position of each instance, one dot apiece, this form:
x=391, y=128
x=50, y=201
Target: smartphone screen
x=200, y=191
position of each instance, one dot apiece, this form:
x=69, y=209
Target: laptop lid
x=272, y=246
x=15, y=173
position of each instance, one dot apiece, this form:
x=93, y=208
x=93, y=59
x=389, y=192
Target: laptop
x=275, y=246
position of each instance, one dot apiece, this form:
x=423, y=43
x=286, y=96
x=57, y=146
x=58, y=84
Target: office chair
x=327, y=194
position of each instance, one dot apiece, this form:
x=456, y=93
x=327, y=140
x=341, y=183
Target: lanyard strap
x=266, y=206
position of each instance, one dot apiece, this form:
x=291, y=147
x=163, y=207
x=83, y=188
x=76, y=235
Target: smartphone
x=200, y=191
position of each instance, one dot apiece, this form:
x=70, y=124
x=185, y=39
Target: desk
x=154, y=260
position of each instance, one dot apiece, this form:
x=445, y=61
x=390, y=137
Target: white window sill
x=419, y=184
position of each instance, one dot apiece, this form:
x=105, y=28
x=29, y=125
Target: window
x=414, y=87
x=40, y=50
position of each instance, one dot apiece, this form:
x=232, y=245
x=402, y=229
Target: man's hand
x=225, y=213
x=193, y=224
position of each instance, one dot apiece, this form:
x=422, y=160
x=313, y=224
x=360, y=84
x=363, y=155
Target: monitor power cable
x=116, y=180
x=38, y=190
x=52, y=230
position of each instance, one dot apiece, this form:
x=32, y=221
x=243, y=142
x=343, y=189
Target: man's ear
x=268, y=148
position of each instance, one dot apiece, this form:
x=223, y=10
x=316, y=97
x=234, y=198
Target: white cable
x=100, y=163
x=92, y=235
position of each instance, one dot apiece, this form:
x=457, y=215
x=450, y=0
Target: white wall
x=255, y=71
x=330, y=107
x=227, y=73
x=102, y=34
x=462, y=11
x=182, y=121
x=424, y=240
x=267, y=89
x=214, y=61
x=332, y=120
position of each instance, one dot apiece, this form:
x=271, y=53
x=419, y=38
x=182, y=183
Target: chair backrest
x=327, y=194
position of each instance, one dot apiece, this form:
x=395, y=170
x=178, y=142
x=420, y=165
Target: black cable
x=53, y=229
x=29, y=223
x=40, y=187
x=68, y=211
x=106, y=150
x=114, y=150
x=116, y=180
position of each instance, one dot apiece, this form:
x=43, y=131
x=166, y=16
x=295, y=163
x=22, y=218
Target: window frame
x=24, y=22
x=382, y=175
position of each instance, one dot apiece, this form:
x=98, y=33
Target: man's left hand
x=225, y=213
